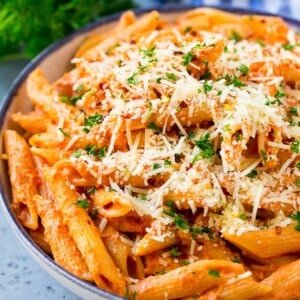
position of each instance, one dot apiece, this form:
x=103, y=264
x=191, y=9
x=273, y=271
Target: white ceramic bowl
x=54, y=61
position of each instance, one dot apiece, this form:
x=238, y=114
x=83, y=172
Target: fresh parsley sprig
x=26, y=32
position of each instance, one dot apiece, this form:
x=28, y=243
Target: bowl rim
x=18, y=229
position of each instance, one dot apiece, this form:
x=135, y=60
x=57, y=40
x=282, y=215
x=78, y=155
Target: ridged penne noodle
x=22, y=175
x=110, y=204
x=58, y=236
x=85, y=234
x=285, y=282
x=52, y=156
x=193, y=279
x=273, y=241
x=148, y=244
x=241, y=289
x=120, y=248
x=32, y=123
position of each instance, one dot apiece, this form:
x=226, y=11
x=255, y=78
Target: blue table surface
x=20, y=276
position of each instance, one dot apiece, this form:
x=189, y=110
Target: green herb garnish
x=187, y=58
x=288, y=47
x=207, y=87
x=174, y=252
x=132, y=79
x=95, y=151
x=244, y=69
x=63, y=132
x=26, y=32
x=82, y=203
x=295, y=146
x=171, y=76
x=93, y=120
x=235, y=36
x=153, y=126
x=214, y=273
x=205, y=146
x=296, y=217
x=77, y=153
x=252, y=174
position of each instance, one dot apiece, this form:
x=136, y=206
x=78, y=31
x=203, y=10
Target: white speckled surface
x=20, y=276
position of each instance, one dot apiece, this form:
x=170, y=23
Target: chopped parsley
x=171, y=207
x=278, y=96
x=235, y=36
x=93, y=120
x=242, y=216
x=214, y=273
x=297, y=165
x=296, y=217
x=238, y=136
x=174, y=252
x=227, y=128
x=243, y=69
x=150, y=53
x=181, y=222
x=187, y=29
x=260, y=43
x=207, y=87
x=82, y=203
x=293, y=111
x=156, y=166
x=295, y=146
x=288, y=46
x=71, y=100
x=191, y=134
x=205, y=146
x=132, y=79
x=236, y=82
x=77, y=153
x=153, y=126
x=187, y=58
x=252, y=174
x=184, y=263
x=143, y=197
x=63, y=132
x=95, y=151
x=205, y=75
x=171, y=76
x=297, y=183
x=148, y=114
x=167, y=162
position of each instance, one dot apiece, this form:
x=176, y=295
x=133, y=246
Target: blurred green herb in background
x=28, y=26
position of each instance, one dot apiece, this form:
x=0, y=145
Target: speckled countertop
x=21, y=278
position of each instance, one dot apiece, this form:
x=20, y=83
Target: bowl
x=54, y=61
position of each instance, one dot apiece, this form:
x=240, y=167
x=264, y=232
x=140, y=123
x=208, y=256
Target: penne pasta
x=22, y=175
x=86, y=235
x=193, y=279
x=273, y=241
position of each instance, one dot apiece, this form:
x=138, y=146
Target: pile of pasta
x=166, y=163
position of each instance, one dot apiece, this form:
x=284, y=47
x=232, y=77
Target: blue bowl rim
x=13, y=221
